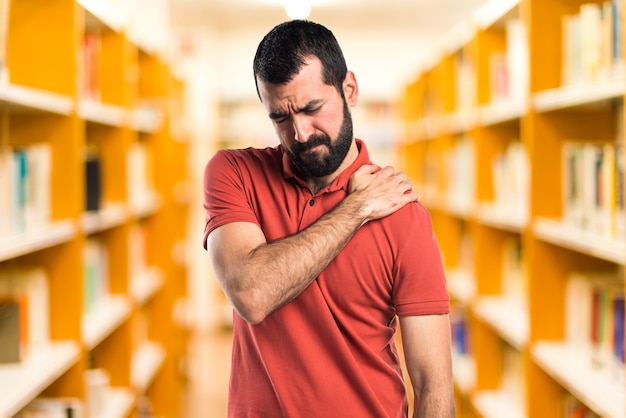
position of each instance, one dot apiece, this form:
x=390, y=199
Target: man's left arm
x=427, y=352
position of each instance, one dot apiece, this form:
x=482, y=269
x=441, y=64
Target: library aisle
x=208, y=371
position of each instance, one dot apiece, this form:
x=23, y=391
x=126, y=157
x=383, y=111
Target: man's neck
x=318, y=183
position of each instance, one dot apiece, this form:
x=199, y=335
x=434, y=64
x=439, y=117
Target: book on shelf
x=499, y=77
x=592, y=187
x=594, y=318
x=25, y=184
x=53, y=408
x=89, y=67
x=513, y=379
x=96, y=273
x=510, y=174
x=591, y=43
x=12, y=319
x=4, y=31
x=27, y=290
x=571, y=407
x=137, y=251
x=140, y=185
x=464, y=81
x=93, y=180
x=514, y=276
x=517, y=59
x=460, y=160
x=97, y=385
x=460, y=331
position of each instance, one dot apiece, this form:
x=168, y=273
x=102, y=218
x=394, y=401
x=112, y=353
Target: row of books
x=464, y=81
x=24, y=295
x=97, y=389
x=139, y=176
x=508, y=69
x=25, y=184
x=53, y=408
x=96, y=273
x=459, y=331
x=514, y=275
x=513, y=380
x=593, y=187
x=140, y=187
x=89, y=67
x=571, y=407
x=511, y=180
x=4, y=34
x=460, y=165
x=592, y=43
x=594, y=315
x=24, y=312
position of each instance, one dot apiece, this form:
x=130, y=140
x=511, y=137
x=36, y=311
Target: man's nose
x=302, y=129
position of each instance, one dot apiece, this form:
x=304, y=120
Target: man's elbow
x=248, y=307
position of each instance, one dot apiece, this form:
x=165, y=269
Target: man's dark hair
x=282, y=53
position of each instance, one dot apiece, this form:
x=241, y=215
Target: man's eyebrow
x=309, y=106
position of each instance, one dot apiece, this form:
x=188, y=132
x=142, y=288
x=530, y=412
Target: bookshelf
x=94, y=177
x=514, y=137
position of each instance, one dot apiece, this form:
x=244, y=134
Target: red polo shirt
x=330, y=352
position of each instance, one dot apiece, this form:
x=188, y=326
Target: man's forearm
x=275, y=273
x=434, y=405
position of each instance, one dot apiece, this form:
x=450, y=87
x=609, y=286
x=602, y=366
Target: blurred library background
x=506, y=114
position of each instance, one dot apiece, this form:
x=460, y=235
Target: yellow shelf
x=499, y=81
x=79, y=91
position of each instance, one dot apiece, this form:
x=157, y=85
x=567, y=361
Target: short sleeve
x=225, y=197
x=420, y=285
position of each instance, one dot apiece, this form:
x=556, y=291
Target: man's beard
x=317, y=165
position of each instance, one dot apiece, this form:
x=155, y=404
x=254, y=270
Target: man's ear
x=351, y=89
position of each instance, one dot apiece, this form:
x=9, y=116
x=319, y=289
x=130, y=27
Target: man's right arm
x=259, y=277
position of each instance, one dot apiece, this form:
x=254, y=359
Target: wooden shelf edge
x=119, y=403
x=492, y=11
x=106, y=317
x=497, y=404
x=106, y=218
x=144, y=206
x=103, y=114
x=579, y=95
x=461, y=285
x=590, y=385
x=21, y=383
x=585, y=242
x=105, y=13
x=38, y=239
x=507, y=315
x=146, y=119
x=502, y=218
x=501, y=112
x=464, y=373
x=32, y=100
x=146, y=284
x=147, y=361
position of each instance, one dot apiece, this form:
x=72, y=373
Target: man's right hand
x=380, y=191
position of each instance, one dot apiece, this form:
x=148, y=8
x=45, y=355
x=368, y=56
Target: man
x=319, y=251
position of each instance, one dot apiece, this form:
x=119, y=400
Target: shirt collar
x=341, y=182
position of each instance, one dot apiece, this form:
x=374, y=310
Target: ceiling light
x=298, y=9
